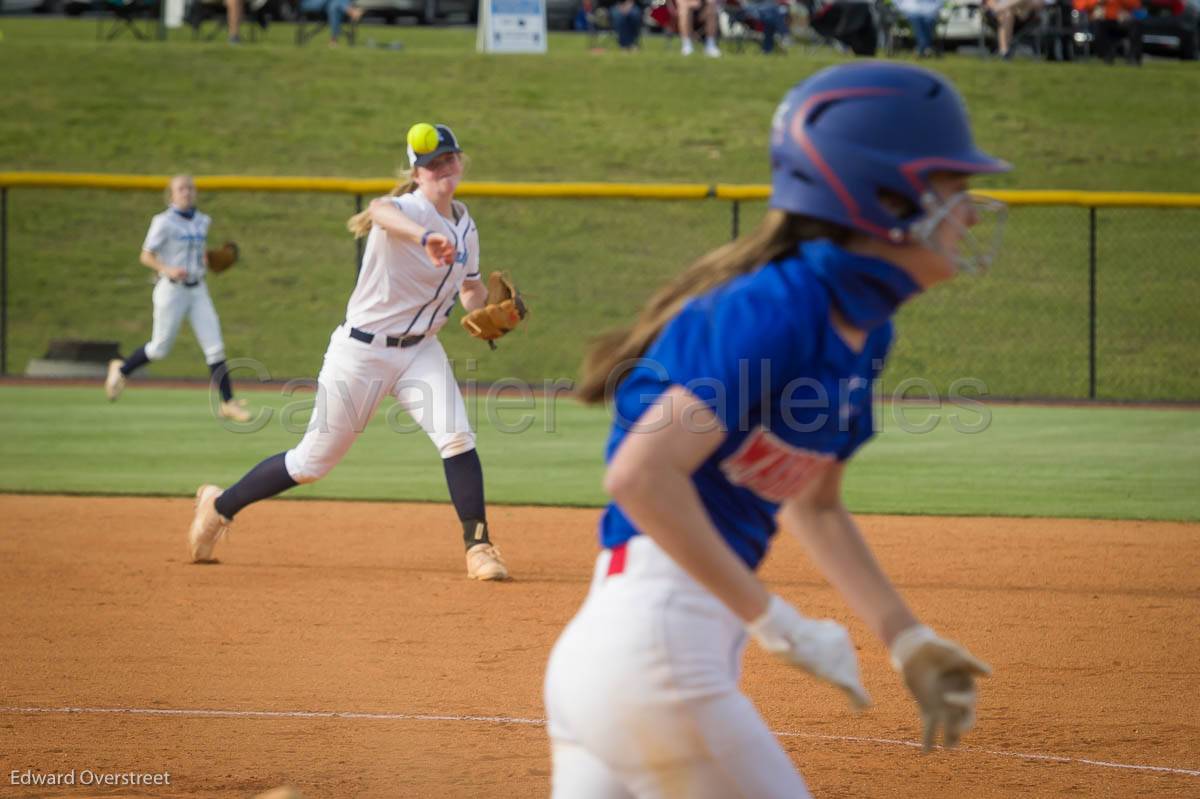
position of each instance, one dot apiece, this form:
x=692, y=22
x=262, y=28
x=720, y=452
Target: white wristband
x=908, y=642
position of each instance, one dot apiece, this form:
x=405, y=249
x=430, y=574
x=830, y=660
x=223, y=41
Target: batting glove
x=822, y=647
x=940, y=674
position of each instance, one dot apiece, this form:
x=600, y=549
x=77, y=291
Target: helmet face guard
x=978, y=244
x=852, y=134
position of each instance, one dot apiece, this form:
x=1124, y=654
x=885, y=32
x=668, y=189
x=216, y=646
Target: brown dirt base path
x=417, y=682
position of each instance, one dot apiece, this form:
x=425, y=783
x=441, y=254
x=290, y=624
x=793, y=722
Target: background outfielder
x=175, y=248
x=752, y=392
x=422, y=253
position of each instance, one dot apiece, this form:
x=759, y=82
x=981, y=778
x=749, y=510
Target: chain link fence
x=1083, y=303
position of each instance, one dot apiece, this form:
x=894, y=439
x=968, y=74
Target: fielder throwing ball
x=422, y=253
x=175, y=249
x=750, y=392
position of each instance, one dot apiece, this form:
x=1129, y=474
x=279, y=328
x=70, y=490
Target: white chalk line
x=345, y=714
x=995, y=752
x=270, y=714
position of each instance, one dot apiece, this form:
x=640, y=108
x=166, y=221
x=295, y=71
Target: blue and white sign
x=511, y=26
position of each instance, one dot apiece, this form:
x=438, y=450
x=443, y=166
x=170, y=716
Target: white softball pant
x=642, y=694
x=173, y=303
x=355, y=378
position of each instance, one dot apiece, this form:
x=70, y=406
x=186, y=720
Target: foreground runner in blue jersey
x=739, y=395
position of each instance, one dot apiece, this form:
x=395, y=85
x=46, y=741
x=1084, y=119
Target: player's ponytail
x=360, y=223
x=608, y=355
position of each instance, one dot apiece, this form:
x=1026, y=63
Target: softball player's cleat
x=235, y=410
x=484, y=562
x=207, y=525
x=114, y=384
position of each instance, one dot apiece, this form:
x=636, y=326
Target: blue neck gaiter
x=865, y=290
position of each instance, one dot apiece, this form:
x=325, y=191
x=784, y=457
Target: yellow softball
x=423, y=138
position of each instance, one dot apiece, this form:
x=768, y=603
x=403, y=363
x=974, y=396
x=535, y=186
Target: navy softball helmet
x=852, y=130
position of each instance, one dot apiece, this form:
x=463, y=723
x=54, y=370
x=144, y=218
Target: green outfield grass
x=270, y=108
x=1028, y=461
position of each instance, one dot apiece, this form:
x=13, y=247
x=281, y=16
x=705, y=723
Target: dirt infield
x=340, y=649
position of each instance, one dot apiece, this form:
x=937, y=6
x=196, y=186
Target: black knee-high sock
x=464, y=477
x=135, y=361
x=220, y=376
x=265, y=480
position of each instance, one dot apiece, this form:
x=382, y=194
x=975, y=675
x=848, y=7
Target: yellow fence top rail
x=1096, y=199
x=634, y=191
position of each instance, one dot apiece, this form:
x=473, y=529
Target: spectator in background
x=1007, y=13
x=922, y=16
x=1112, y=20
x=626, y=18
x=233, y=20
x=583, y=17
x=336, y=11
x=770, y=16
x=706, y=10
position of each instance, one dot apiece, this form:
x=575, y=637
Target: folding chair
x=594, y=20
x=665, y=16
x=851, y=24
x=734, y=24
x=1059, y=31
x=739, y=23
x=803, y=35
x=139, y=17
x=312, y=17
x=199, y=13
x=1028, y=31
x=888, y=20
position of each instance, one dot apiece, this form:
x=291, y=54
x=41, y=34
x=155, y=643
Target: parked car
x=1171, y=27
x=962, y=23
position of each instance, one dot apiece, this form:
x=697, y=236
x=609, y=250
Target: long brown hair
x=360, y=223
x=777, y=235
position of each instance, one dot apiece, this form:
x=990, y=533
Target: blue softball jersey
x=793, y=397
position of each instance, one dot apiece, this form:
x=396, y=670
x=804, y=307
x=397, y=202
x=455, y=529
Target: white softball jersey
x=388, y=345
x=180, y=241
x=400, y=292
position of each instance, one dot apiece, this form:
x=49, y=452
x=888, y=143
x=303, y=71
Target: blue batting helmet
x=850, y=131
